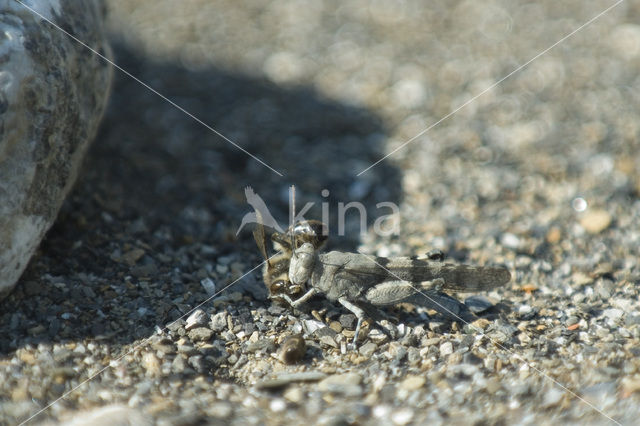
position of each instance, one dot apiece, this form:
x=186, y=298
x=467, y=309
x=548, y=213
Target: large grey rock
x=52, y=95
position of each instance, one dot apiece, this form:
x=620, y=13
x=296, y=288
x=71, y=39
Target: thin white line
x=493, y=85
x=144, y=342
x=478, y=330
x=151, y=89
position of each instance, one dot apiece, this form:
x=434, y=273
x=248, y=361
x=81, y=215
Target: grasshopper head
x=276, y=270
x=313, y=232
x=285, y=287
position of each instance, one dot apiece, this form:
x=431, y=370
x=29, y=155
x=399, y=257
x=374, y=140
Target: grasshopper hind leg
x=428, y=295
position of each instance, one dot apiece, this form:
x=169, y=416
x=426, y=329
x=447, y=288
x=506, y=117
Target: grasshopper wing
x=460, y=278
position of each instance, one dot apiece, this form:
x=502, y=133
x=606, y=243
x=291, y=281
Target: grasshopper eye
x=277, y=287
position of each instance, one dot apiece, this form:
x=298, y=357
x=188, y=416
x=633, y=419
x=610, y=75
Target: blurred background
x=321, y=91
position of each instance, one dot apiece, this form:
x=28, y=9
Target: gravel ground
x=540, y=173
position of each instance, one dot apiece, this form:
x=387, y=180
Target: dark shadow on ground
x=160, y=198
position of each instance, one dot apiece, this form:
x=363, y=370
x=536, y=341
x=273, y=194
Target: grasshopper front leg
x=300, y=300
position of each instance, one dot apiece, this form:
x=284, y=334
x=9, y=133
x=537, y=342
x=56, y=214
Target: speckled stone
x=52, y=95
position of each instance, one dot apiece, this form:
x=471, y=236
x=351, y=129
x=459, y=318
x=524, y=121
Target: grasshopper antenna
x=292, y=216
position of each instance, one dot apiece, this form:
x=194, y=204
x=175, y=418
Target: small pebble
x=595, y=221
x=294, y=394
x=481, y=323
x=381, y=411
x=283, y=379
x=200, y=334
x=347, y=384
x=412, y=383
x=478, y=304
x=525, y=311
x=132, y=256
x=220, y=410
x=218, y=321
x=446, y=349
x=510, y=241
x=377, y=336
x=151, y=364
x=209, y=286
x=552, y=397
x=402, y=416
x=348, y=321
x=439, y=327
x=311, y=326
x=328, y=341
x=179, y=364
x=613, y=314
x=630, y=385
x=198, y=363
x=197, y=319
x=277, y=405
x=368, y=349
x=336, y=326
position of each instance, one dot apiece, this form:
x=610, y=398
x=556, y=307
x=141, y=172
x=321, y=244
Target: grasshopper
x=360, y=283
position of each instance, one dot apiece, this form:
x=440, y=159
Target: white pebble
x=613, y=314
x=552, y=397
x=446, y=348
x=402, y=417
x=510, y=240
x=524, y=309
x=278, y=405
x=197, y=318
x=381, y=411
